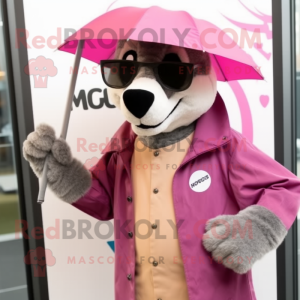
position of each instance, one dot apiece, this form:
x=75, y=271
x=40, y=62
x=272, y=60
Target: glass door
x=13, y=284
x=297, y=87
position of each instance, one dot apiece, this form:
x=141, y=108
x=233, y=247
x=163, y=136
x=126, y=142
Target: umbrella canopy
x=155, y=24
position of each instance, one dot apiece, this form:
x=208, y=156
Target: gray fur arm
x=67, y=177
x=238, y=241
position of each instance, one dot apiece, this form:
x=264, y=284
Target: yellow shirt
x=159, y=266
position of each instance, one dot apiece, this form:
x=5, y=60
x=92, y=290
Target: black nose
x=138, y=102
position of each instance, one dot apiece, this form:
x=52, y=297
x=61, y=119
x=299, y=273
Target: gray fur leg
x=67, y=177
x=37, y=146
x=238, y=241
x=69, y=182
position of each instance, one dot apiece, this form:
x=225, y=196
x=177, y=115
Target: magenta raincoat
x=241, y=175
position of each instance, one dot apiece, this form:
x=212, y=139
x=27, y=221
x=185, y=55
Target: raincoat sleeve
x=97, y=202
x=256, y=178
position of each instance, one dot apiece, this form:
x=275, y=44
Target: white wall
x=94, y=280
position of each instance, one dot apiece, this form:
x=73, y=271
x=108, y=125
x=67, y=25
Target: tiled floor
x=19, y=294
x=12, y=271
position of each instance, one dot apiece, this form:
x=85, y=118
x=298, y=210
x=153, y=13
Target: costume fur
x=170, y=118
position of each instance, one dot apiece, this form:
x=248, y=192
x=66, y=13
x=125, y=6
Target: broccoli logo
x=39, y=258
x=41, y=68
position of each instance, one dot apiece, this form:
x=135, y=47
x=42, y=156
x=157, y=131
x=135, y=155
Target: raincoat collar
x=212, y=131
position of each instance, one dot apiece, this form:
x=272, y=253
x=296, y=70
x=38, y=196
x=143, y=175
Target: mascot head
x=158, y=87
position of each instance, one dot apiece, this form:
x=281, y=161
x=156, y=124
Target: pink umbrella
x=97, y=41
x=156, y=24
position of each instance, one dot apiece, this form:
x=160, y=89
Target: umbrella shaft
x=71, y=90
x=66, y=120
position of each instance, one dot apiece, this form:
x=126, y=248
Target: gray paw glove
x=238, y=241
x=67, y=177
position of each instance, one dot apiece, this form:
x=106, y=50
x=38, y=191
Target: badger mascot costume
x=194, y=203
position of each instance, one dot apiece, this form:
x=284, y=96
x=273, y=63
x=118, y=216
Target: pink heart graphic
x=264, y=100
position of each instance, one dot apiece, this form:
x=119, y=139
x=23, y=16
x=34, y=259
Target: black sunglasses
x=174, y=76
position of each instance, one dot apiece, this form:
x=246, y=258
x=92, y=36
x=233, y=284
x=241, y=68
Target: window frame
x=284, y=63
x=23, y=124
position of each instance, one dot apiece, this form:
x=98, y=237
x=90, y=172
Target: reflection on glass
x=12, y=269
x=297, y=44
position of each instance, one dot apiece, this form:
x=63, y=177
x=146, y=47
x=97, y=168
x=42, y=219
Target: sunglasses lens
x=118, y=74
x=175, y=76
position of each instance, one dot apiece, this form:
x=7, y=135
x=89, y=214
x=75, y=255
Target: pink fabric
x=241, y=176
x=230, y=61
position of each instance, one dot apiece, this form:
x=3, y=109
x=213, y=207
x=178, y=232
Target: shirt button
x=155, y=191
x=130, y=234
x=154, y=226
x=156, y=153
x=155, y=263
x=129, y=276
x=129, y=199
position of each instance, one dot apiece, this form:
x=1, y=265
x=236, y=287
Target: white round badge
x=200, y=181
